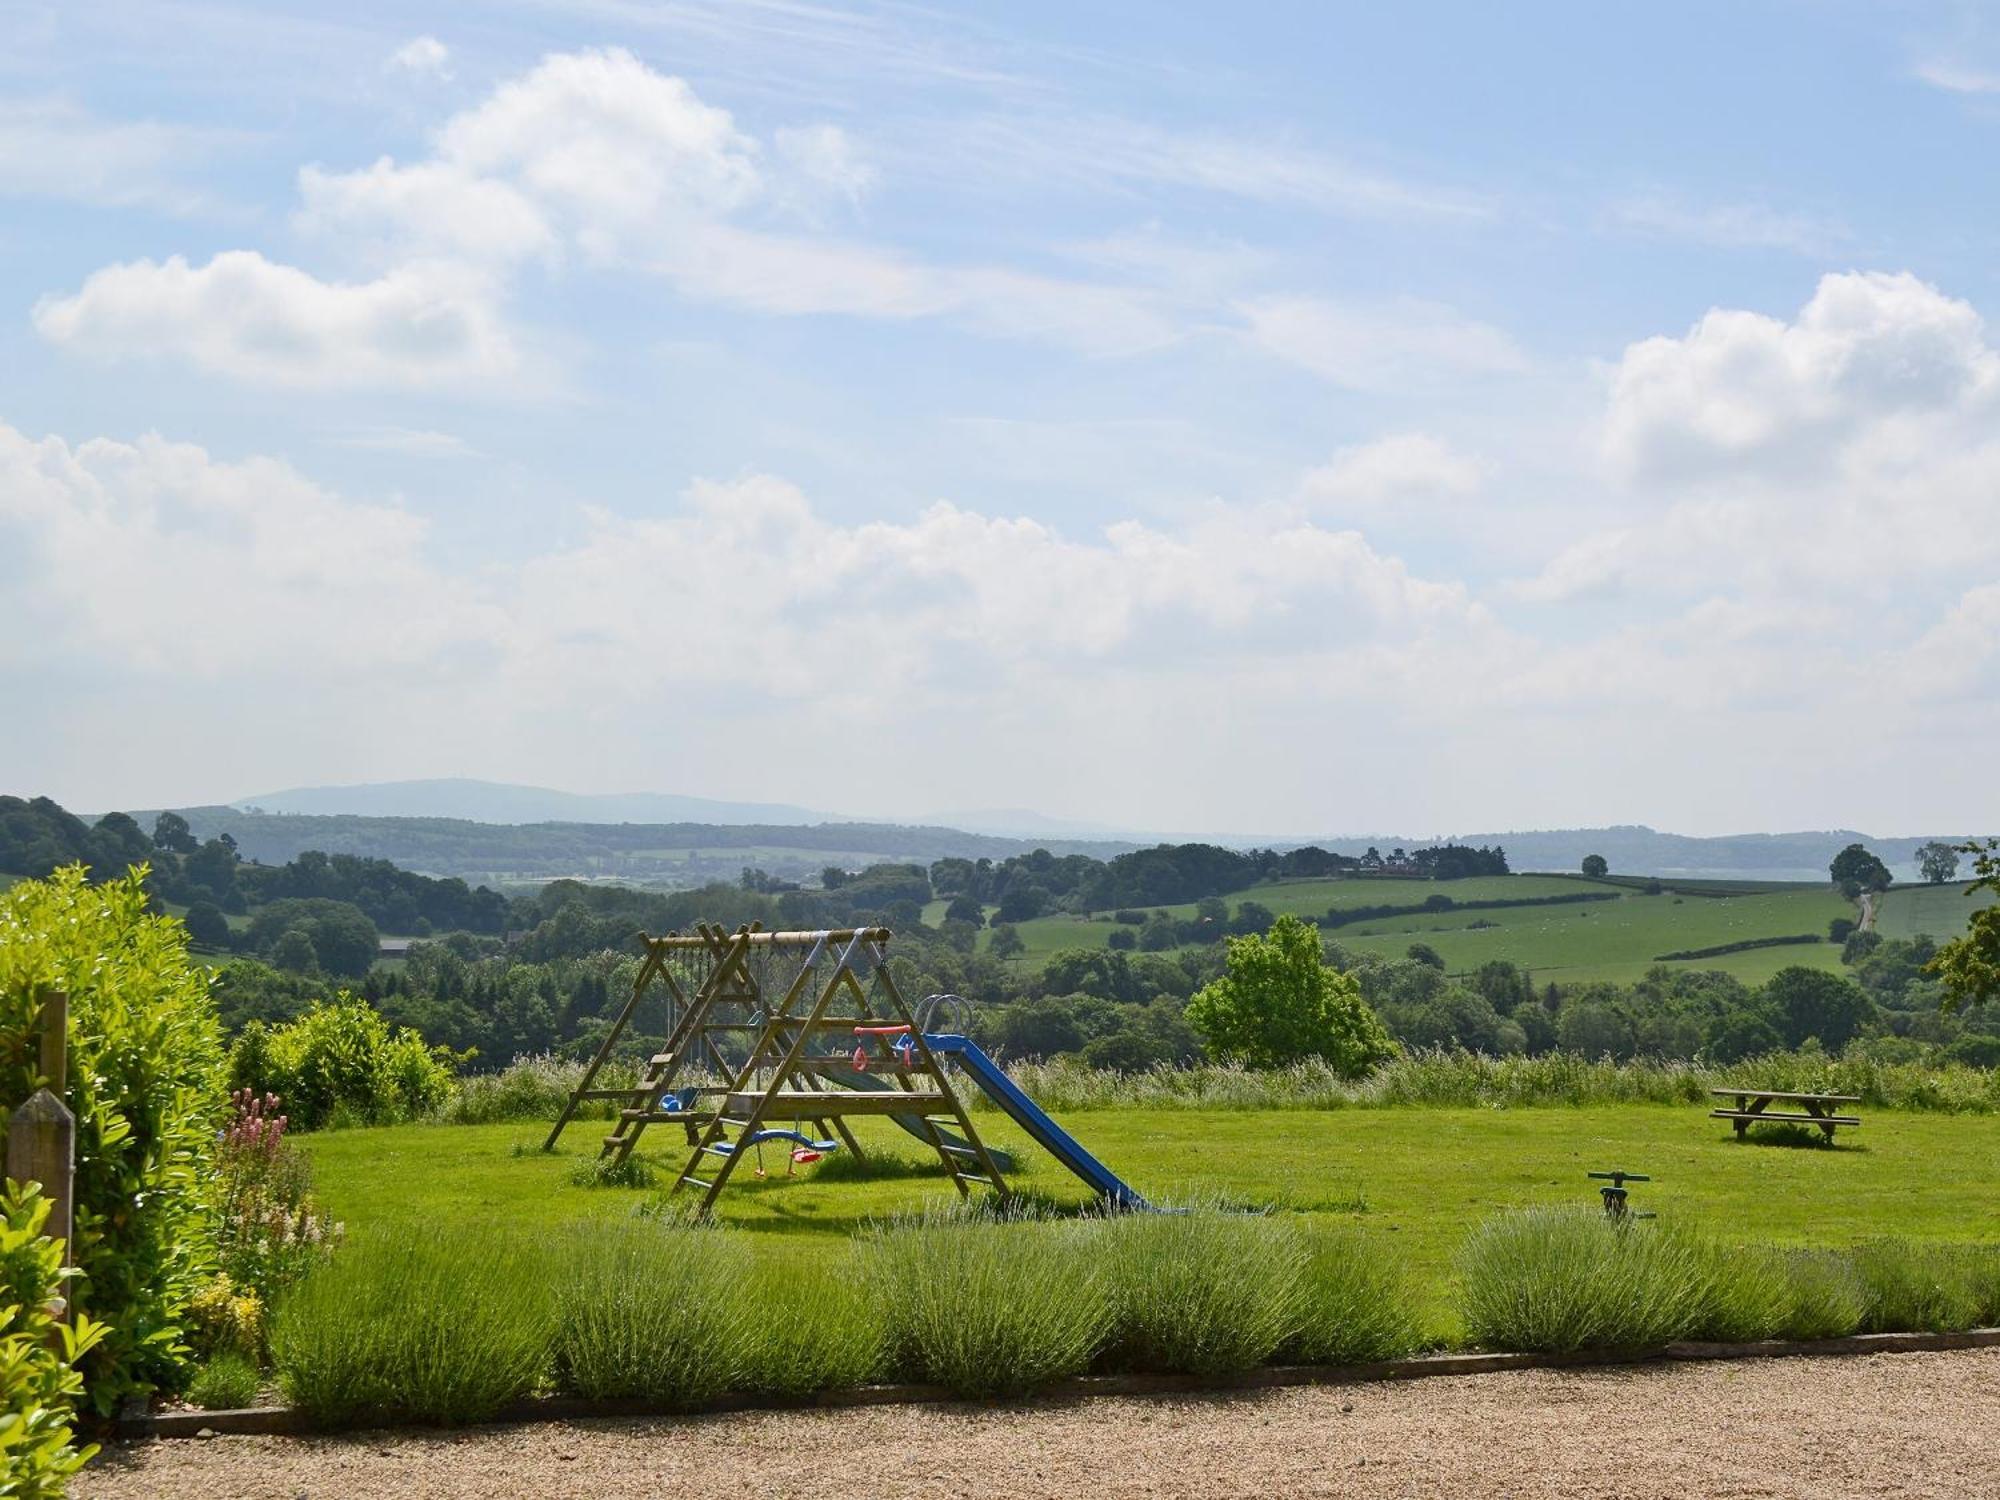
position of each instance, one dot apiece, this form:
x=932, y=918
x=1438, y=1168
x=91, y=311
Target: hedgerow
x=145, y=1084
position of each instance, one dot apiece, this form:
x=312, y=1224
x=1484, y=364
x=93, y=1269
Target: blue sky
x=1282, y=417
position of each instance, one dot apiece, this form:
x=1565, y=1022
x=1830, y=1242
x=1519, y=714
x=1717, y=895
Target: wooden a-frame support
x=794, y=1091
x=692, y=1045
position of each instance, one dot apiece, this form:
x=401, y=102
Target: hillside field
x=1616, y=939
x=1422, y=1176
x=1941, y=911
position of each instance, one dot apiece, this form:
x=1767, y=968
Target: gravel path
x=1888, y=1424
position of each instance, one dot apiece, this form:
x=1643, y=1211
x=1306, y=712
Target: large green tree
x=1855, y=869
x=1937, y=862
x=1277, y=1002
x=1969, y=966
x=1812, y=1003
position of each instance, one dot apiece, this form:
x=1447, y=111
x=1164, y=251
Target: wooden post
x=55, y=1041
x=41, y=1134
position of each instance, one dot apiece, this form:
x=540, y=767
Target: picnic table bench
x=1753, y=1107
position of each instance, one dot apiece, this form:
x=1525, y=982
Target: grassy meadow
x=1939, y=911
x=1417, y=1179
x=1616, y=939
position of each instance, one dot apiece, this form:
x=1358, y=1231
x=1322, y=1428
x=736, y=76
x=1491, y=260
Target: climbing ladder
x=857, y=1001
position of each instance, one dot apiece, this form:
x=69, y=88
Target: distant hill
x=503, y=802
x=673, y=855
x=1637, y=850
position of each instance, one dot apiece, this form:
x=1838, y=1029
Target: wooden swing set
x=837, y=1019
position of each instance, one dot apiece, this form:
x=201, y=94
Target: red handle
x=880, y=1030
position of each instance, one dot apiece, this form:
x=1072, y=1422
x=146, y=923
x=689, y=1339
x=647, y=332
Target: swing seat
x=803, y=1142
x=805, y=1155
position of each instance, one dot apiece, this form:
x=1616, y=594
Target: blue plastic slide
x=1024, y=1112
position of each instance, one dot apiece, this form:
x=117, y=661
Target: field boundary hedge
x=1441, y=905
x=137, y=1425
x=1743, y=946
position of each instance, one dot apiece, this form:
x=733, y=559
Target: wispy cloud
x=1956, y=77
x=1396, y=347
x=52, y=148
x=1728, y=226
x=418, y=442
x=1096, y=153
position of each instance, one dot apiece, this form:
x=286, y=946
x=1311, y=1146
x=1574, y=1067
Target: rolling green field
x=1941, y=911
x=1421, y=1178
x=1617, y=939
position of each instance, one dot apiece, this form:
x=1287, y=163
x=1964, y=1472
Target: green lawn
x=1423, y=1177
x=1939, y=910
x=1618, y=939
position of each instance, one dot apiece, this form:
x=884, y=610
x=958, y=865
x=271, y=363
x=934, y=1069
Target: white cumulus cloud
x=244, y=316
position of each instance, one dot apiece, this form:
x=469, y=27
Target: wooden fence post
x=41, y=1134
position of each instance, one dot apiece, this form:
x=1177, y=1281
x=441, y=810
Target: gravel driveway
x=1888, y=1424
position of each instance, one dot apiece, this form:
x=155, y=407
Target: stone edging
x=266, y=1420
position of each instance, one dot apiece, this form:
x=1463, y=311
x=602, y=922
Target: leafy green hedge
x=145, y=1083
x=1742, y=946
x=39, y=1384
x=341, y=1064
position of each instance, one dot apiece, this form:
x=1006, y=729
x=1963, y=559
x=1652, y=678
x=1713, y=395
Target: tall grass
x=532, y=1088
x=1200, y=1293
x=442, y=1325
x=1440, y=1078
x=1356, y=1306
x=536, y=1088
x=985, y=1307
x=648, y=1312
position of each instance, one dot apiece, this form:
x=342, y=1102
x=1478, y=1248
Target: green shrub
x=1356, y=1305
x=1278, y=1002
x=429, y=1325
x=1201, y=1293
x=1749, y=1293
x=341, y=1062
x=39, y=1383
x=226, y=1318
x=984, y=1307
x=227, y=1382
x=662, y=1314
x=1980, y=1266
x=145, y=1084
x=1556, y=1280
x=623, y=1172
x=1827, y=1297
x=827, y=1334
x=1915, y=1287
x=533, y=1088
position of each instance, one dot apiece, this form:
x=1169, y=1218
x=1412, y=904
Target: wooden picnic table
x=1753, y=1107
